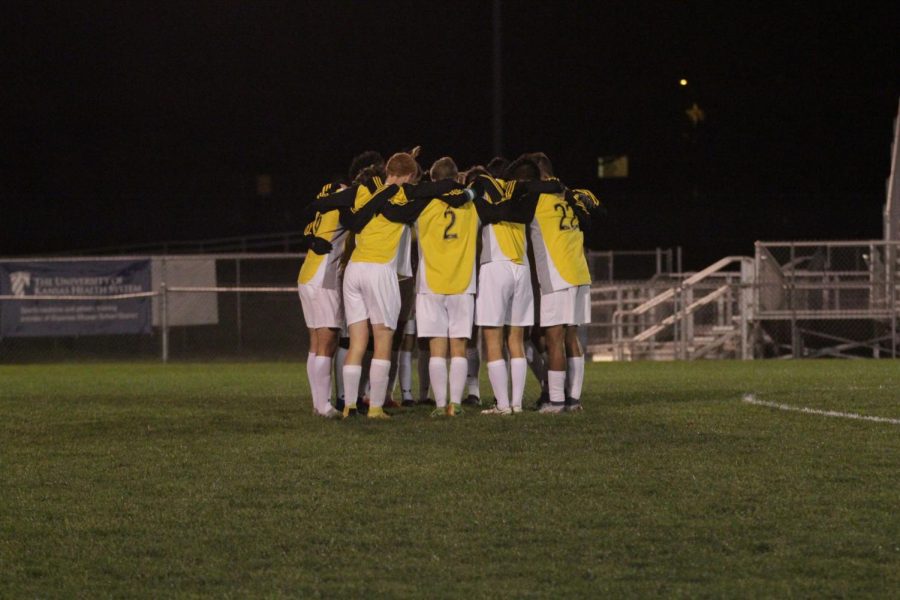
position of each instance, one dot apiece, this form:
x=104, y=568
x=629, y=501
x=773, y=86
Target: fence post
x=240, y=331
x=164, y=319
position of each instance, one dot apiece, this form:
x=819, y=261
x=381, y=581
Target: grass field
x=216, y=479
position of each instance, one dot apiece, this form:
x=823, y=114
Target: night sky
x=128, y=122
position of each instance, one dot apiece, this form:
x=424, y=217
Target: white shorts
x=371, y=291
x=444, y=316
x=321, y=307
x=571, y=306
x=504, y=295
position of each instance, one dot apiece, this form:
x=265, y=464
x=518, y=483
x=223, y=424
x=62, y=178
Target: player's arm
x=487, y=186
x=404, y=213
x=517, y=189
x=361, y=217
x=328, y=199
x=585, y=205
x=513, y=211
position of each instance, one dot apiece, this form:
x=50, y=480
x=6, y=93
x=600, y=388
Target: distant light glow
x=682, y=82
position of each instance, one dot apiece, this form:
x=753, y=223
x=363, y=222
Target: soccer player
x=319, y=282
x=372, y=293
x=507, y=301
x=446, y=230
x=563, y=277
x=318, y=285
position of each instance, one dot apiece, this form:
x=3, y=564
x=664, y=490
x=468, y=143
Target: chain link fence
x=238, y=306
x=817, y=299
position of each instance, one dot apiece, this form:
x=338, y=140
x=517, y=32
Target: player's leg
x=492, y=306
x=379, y=370
x=437, y=372
x=352, y=372
x=496, y=368
x=307, y=294
x=521, y=317
x=556, y=368
x=358, y=333
x=518, y=367
x=574, y=350
x=382, y=294
x=405, y=363
x=311, y=368
x=473, y=366
x=422, y=361
x=460, y=310
x=326, y=344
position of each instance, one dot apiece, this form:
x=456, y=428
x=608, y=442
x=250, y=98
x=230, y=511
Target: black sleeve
x=458, y=196
x=487, y=185
x=362, y=217
x=324, y=203
x=513, y=211
x=550, y=186
x=583, y=208
x=430, y=189
x=404, y=213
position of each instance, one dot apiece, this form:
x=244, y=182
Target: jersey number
x=449, y=214
x=566, y=212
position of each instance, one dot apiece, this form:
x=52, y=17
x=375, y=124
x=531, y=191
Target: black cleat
x=573, y=405
x=544, y=399
x=409, y=402
x=472, y=400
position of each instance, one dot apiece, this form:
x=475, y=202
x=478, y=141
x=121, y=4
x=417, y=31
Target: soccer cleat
x=331, y=413
x=391, y=403
x=542, y=400
x=350, y=411
x=497, y=411
x=339, y=404
x=427, y=402
x=408, y=403
x=573, y=405
x=454, y=410
x=516, y=410
x=376, y=412
x=472, y=400
x=552, y=408
x=362, y=405
x=439, y=412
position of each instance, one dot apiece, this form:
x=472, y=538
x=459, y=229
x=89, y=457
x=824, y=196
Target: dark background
x=127, y=122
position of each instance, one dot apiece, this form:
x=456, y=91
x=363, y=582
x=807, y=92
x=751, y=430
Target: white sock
x=311, y=377
x=405, y=368
x=458, y=368
x=437, y=372
x=473, y=364
x=576, y=376
x=518, y=369
x=323, y=383
x=352, y=374
x=497, y=374
x=339, y=356
x=378, y=380
x=423, y=363
x=556, y=384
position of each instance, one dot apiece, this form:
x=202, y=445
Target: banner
x=78, y=316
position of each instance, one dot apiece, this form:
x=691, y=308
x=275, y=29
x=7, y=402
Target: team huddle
x=397, y=253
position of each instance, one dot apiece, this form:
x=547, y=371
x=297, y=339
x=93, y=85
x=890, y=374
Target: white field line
x=751, y=399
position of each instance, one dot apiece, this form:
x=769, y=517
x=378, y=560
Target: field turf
x=145, y=480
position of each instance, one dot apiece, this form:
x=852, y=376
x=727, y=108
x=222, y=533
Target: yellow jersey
x=446, y=242
x=558, y=245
